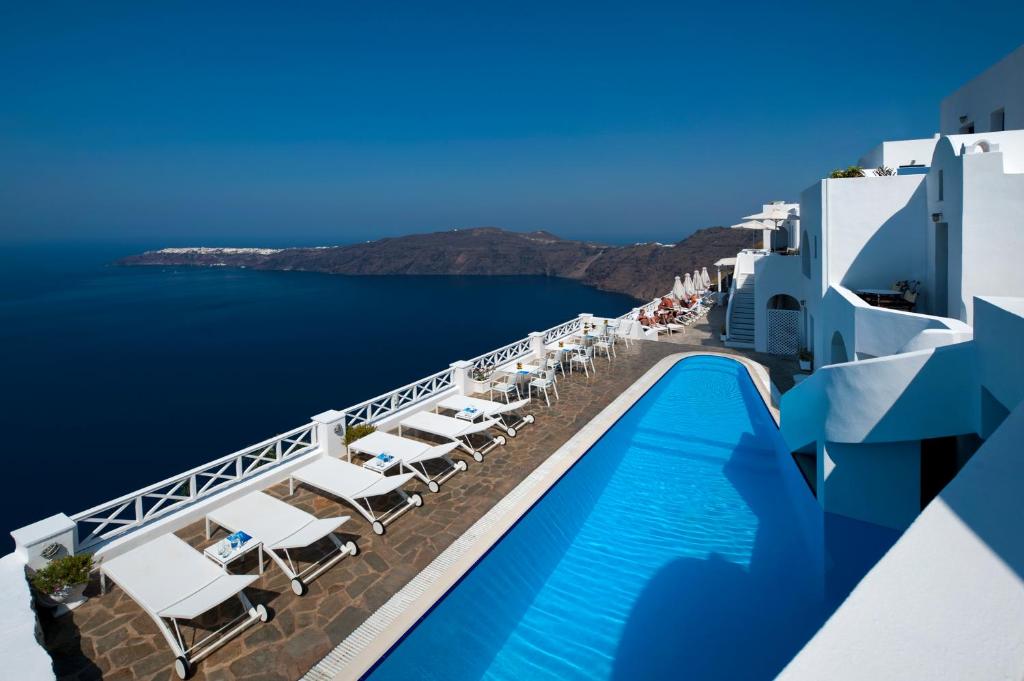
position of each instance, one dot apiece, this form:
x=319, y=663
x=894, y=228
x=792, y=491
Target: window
x=967, y=128
x=815, y=246
x=997, y=121
x=942, y=185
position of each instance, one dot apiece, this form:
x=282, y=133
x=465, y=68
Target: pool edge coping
x=357, y=654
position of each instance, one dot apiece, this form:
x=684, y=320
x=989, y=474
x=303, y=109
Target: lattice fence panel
x=783, y=332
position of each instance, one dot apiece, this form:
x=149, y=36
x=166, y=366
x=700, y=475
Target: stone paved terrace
x=110, y=637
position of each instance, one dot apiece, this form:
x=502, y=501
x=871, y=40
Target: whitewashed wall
x=898, y=153
x=999, y=86
x=983, y=206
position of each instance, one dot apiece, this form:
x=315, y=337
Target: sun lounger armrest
x=312, y=532
x=434, y=452
x=480, y=426
x=518, y=404
x=387, y=483
x=208, y=597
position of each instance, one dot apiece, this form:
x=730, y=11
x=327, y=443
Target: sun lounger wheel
x=416, y=499
x=500, y=439
x=477, y=456
x=433, y=486
x=298, y=588
x=352, y=548
x=511, y=432
x=181, y=667
x=378, y=527
x=462, y=465
x=264, y=612
x=528, y=418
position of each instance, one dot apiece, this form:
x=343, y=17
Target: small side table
x=379, y=465
x=211, y=553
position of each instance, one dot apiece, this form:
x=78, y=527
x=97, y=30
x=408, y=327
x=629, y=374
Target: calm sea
x=114, y=378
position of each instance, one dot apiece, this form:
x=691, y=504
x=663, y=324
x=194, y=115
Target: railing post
x=586, y=318
x=461, y=376
x=330, y=442
x=537, y=344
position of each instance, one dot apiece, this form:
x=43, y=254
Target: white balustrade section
x=100, y=523
x=382, y=406
x=486, y=363
x=562, y=330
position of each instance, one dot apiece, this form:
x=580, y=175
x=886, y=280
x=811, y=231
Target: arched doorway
x=838, y=354
x=783, y=325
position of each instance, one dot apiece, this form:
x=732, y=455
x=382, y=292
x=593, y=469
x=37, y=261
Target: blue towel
x=238, y=539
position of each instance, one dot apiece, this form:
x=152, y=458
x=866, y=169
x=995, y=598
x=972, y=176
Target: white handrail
x=141, y=506
x=136, y=508
x=384, y=405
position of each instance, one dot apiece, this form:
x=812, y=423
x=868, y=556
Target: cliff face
x=641, y=271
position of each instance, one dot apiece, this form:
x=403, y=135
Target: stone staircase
x=741, y=314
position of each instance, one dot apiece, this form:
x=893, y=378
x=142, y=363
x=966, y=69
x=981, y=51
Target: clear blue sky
x=301, y=123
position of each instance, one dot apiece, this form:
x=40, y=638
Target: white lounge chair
x=174, y=583
x=584, y=357
x=357, y=485
x=281, y=526
x=543, y=382
x=412, y=455
x=500, y=411
x=605, y=344
x=453, y=429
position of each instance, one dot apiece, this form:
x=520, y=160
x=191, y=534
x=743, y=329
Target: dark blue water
x=114, y=378
x=684, y=544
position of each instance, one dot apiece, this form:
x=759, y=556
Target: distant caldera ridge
x=641, y=270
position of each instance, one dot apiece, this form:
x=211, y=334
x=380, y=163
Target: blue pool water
x=683, y=544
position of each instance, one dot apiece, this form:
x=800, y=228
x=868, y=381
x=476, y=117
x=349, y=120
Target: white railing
x=562, y=330
x=486, y=363
x=384, y=405
x=102, y=522
x=107, y=520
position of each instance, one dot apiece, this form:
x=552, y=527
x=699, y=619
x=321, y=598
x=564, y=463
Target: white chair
x=554, y=361
x=282, y=527
x=505, y=384
x=583, y=357
x=174, y=583
x=504, y=415
x=604, y=344
x=357, y=485
x=413, y=456
x=455, y=430
x=545, y=381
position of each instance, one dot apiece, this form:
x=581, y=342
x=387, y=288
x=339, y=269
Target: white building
x=943, y=214
x=919, y=410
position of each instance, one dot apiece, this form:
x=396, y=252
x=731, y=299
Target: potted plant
x=806, y=358
x=353, y=433
x=62, y=582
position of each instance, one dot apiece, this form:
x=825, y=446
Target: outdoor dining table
x=880, y=293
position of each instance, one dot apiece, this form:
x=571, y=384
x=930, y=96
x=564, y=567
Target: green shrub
x=884, y=171
x=852, y=171
x=63, y=572
x=353, y=433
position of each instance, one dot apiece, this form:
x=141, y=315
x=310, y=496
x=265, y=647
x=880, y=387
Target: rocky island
x=641, y=270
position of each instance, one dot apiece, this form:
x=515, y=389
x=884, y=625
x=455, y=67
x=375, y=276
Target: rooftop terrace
x=111, y=637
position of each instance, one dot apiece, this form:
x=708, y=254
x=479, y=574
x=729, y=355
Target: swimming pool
x=683, y=543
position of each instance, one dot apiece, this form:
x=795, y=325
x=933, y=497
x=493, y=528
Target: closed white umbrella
x=706, y=278
x=773, y=213
x=698, y=283
x=677, y=289
x=688, y=289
